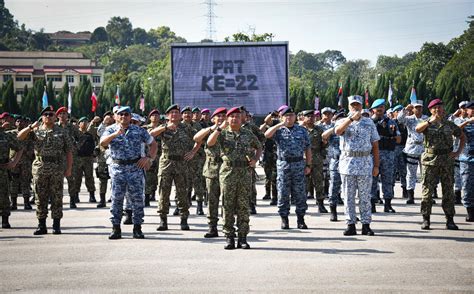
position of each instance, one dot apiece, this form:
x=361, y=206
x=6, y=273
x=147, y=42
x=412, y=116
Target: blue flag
x=413, y=95
x=45, y=99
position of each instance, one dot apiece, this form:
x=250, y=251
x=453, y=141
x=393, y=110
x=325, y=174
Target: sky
x=359, y=29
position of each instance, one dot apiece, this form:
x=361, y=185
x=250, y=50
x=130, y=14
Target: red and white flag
x=94, y=102
x=366, y=98
x=339, y=97
x=117, y=96
x=142, y=103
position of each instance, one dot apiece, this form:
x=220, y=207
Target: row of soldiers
x=324, y=172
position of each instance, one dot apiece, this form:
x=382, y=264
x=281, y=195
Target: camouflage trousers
x=102, y=173
x=413, y=162
x=213, y=195
x=400, y=165
x=151, y=179
x=198, y=180
x=253, y=190
x=291, y=182
x=235, y=191
x=270, y=179
x=165, y=181
x=357, y=185
x=334, y=181
x=71, y=186
x=386, y=175
x=4, y=193
x=127, y=180
x=432, y=174
x=46, y=187
x=21, y=181
x=84, y=166
x=315, y=180
x=458, y=181
x=467, y=172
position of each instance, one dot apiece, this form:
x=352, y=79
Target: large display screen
x=228, y=75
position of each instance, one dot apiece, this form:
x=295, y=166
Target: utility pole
x=210, y=15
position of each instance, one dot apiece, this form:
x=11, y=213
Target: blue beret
x=398, y=108
x=123, y=108
x=378, y=103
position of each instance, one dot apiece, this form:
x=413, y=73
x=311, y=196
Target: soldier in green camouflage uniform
x=84, y=164
x=240, y=150
x=73, y=132
x=197, y=164
x=250, y=126
x=151, y=181
x=211, y=171
x=438, y=161
x=177, y=149
x=318, y=150
x=8, y=142
x=52, y=144
x=21, y=174
x=269, y=160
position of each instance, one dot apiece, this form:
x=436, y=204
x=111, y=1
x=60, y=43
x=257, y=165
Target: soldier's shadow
x=326, y=251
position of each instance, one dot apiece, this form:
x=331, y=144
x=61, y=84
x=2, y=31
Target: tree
x=9, y=98
x=119, y=31
x=7, y=23
x=140, y=36
x=99, y=35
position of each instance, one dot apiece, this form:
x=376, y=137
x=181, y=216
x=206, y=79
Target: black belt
x=51, y=159
x=125, y=162
x=174, y=157
x=291, y=159
x=438, y=151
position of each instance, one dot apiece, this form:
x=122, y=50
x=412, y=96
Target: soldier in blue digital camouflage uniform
x=389, y=137
x=294, y=161
x=125, y=142
x=459, y=117
x=334, y=152
x=400, y=160
x=414, y=146
x=467, y=162
x=358, y=164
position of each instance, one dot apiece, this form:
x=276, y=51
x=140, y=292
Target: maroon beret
x=435, y=102
x=233, y=110
x=61, y=109
x=154, y=111
x=4, y=115
x=219, y=110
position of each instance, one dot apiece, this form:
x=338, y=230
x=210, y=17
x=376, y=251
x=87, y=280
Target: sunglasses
x=49, y=114
x=124, y=114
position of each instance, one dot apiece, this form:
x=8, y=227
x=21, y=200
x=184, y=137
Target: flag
x=69, y=102
x=390, y=93
x=94, y=102
x=366, y=98
x=142, y=103
x=316, y=103
x=413, y=97
x=117, y=96
x=339, y=97
x=45, y=98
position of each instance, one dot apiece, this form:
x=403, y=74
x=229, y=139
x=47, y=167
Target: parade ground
x=399, y=258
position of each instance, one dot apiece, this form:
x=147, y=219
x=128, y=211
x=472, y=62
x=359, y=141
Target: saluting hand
x=119, y=132
x=224, y=124
x=356, y=115
x=35, y=125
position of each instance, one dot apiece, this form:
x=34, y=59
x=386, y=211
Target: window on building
x=6, y=78
x=70, y=79
x=20, y=92
x=23, y=78
x=96, y=79
x=55, y=78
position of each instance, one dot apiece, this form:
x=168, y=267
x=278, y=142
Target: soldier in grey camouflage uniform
x=211, y=171
x=51, y=144
x=240, y=150
x=438, y=161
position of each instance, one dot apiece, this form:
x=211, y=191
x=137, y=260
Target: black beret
x=172, y=107
x=287, y=110
x=187, y=108
x=47, y=108
x=307, y=112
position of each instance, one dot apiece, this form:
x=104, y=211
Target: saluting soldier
x=240, y=150
x=84, y=164
x=152, y=173
x=467, y=162
x=270, y=159
x=51, y=144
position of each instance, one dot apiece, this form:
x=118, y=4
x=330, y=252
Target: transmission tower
x=210, y=15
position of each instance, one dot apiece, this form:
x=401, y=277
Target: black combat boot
x=147, y=200
x=450, y=225
x=14, y=205
x=274, y=201
x=242, y=243
x=116, y=233
x=285, y=224
x=229, y=243
x=26, y=203
x=101, y=203
x=41, y=229
x=388, y=206
x=137, y=232
x=199, y=210
x=435, y=194
x=350, y=230
x=176, y=211
x=374, y=207
x=333, y=209
x=404, y=193
x=267, y=192
x=184, y=224
x=411, y=196
x=309, y=195
x=366, y=230
x=457, y=197
x=470, y=214
x=56, y=226
x=72, y=201
x=163, y=223
x=253, y=210
x=5, y=223
x=128, y=217
x=153, y=197
x=212, y=233
x=426, y=222
x=76, y=198
x=300, y=223
x=92, y=197
x=321, y=208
